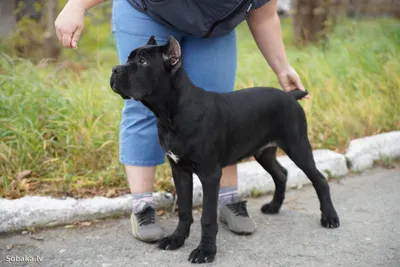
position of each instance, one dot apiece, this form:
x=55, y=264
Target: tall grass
x=60, y=124
x=353, y=79
x=61, y=120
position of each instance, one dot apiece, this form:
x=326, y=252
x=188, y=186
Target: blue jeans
x=210, y=64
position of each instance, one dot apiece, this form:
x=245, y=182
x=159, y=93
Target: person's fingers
x=299, y=84
x=286, y=83
x=294, y=79
x=76, y=36
x=58, y=31
x=66, y=39
x=295, y=83
x=301, y=87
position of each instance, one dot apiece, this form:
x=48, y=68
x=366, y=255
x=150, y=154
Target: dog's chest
x=172, y=146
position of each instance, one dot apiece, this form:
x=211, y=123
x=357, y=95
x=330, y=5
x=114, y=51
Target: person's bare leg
x=229, y=176
x=140, y=178
x=228, y=192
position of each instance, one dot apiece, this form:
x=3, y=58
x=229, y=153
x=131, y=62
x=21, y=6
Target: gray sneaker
x=145, y=226
x=236, y=218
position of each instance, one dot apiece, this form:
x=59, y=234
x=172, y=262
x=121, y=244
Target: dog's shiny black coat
x=202, y=132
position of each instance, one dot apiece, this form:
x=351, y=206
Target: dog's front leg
x=184, y=188
x=207, y=248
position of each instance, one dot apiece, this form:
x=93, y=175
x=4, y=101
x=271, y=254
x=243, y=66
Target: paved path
x=368, y=204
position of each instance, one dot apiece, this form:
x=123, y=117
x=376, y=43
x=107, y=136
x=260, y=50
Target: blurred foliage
x=29, y=37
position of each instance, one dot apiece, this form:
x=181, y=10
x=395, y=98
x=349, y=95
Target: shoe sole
x=225, y=224
x=134, y=229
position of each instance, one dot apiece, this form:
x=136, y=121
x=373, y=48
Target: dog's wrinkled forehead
x=145, y=51
x=169, y=53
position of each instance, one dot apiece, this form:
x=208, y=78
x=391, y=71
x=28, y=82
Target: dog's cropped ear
x=173, y=53
x=152, y=41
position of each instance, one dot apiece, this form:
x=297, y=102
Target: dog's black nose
x=116, y=70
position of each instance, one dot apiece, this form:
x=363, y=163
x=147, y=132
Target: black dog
x=202, y=132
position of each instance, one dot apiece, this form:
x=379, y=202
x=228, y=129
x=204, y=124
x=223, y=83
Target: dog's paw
x=330, y=220
x=203, y=253
x=171, y=242
x=270, y=208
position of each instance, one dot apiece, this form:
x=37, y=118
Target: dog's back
x=263, y=111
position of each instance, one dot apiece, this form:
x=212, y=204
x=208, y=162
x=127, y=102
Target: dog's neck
x=167, y=106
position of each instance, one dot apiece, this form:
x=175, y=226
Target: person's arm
x=69, y=23
x=264, y=24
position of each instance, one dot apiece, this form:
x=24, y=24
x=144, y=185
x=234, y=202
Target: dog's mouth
x=135, y=96
x=114, y=87
x=117, y=86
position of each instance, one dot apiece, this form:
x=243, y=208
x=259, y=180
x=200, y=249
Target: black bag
x=201, y=18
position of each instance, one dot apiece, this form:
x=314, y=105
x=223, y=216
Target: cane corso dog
x=201, y=132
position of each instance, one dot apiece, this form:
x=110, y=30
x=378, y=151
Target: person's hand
x=290, y=80
x=69, y=23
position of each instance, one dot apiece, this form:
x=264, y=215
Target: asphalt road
x=368, y=206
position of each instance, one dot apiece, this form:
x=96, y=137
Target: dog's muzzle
x=116, y=71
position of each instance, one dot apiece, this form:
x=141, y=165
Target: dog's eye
x=142, y=61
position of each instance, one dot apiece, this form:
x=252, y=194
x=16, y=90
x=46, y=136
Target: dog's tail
x=297, y=94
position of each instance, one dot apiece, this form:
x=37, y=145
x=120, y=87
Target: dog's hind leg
x=300, y=152
x=267, y=159
x=184, y=188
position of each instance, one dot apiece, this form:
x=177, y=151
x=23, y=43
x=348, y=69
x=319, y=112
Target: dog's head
x=148, y=70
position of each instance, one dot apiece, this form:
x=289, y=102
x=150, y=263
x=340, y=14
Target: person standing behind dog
x=206, y=30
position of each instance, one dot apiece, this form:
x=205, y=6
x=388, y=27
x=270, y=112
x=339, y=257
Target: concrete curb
x=363, y=152
x=46, y=211
x=31, y=211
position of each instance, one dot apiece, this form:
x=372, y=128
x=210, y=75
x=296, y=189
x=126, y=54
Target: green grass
x=61, y=120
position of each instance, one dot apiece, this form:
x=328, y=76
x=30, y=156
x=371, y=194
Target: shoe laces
x=146, y=216
x=239, y=208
